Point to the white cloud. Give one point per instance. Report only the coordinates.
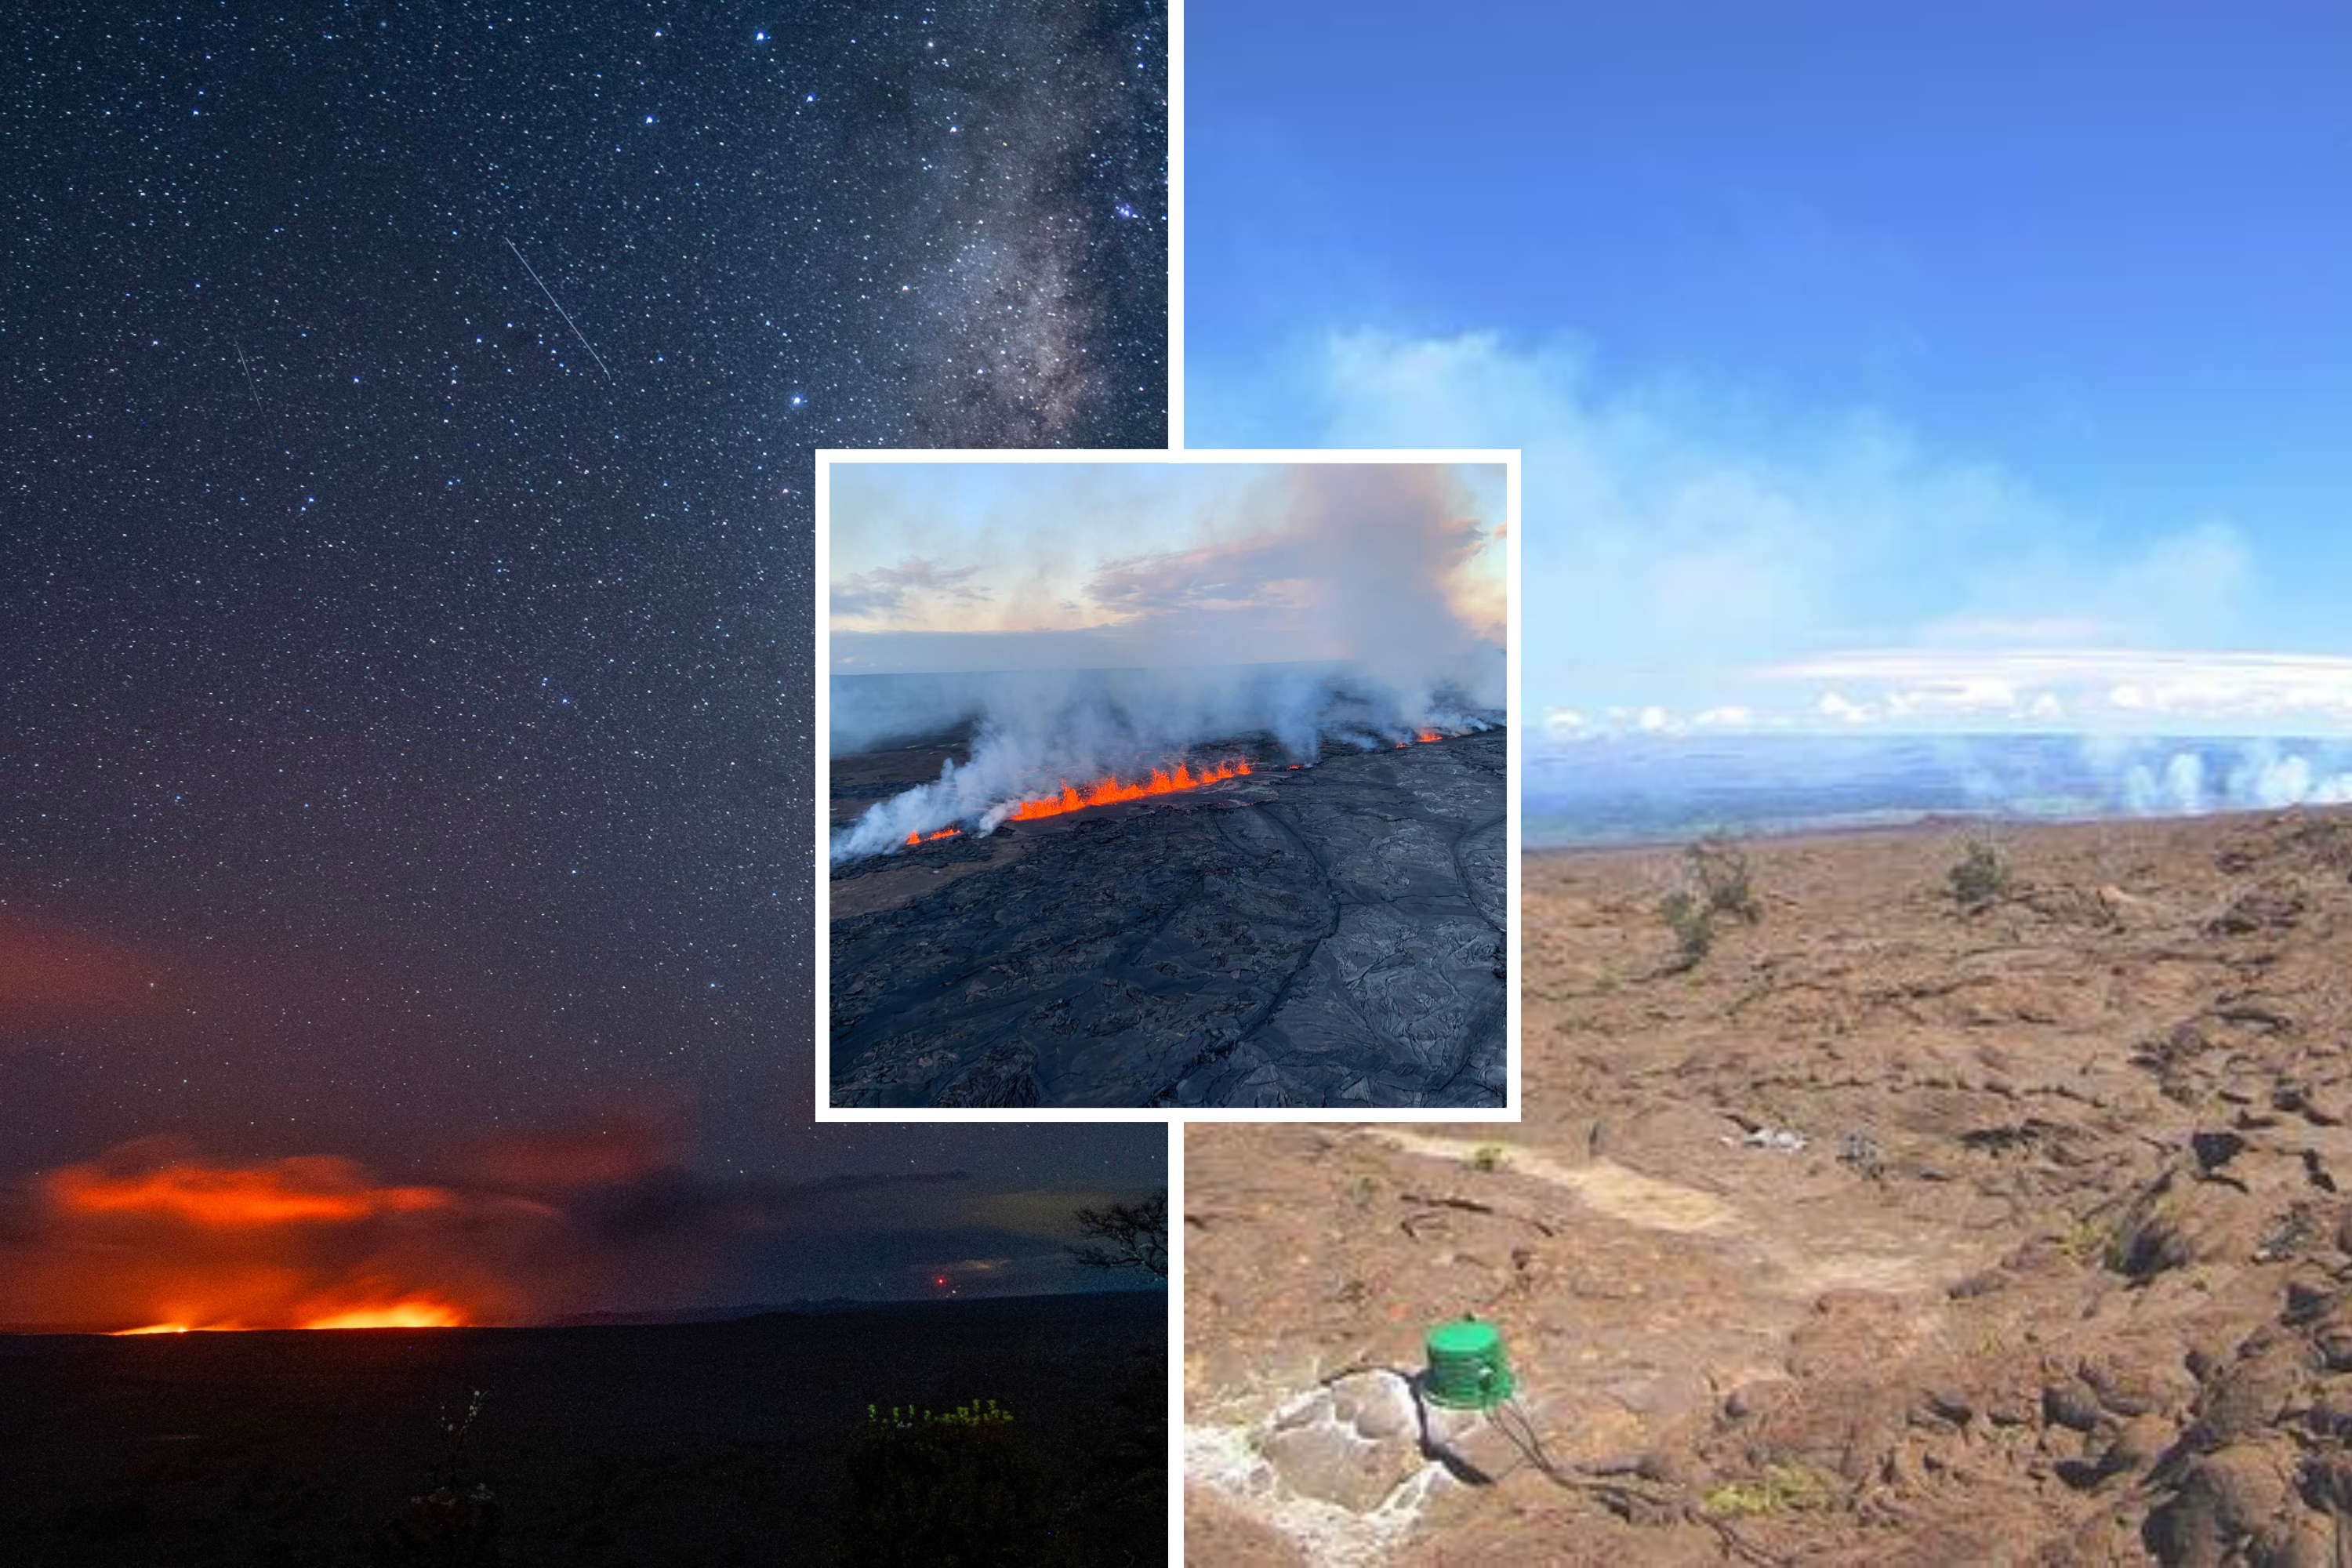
(1836, 705)
(1675, 537)
(2123, 688)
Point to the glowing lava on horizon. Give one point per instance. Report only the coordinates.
(159, 1240)
(411, 1313)
(417, 1312)
(1428, 735)
(1111, 792)
(933, 838)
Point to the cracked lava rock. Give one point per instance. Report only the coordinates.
(1331, 935)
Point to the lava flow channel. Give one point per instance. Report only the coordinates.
(932, 837)
(1109, 792)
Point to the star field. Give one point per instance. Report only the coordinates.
(404, 637)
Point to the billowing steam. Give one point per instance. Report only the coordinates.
(1039, 735)
(2254, 776)
(1600, 790)
(1365, 565)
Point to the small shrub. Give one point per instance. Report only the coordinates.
(1781, 1489)
(2086, 1241)
(928, 1488)
(456, 1524)
(1720, 874)
(1717, 880)
(1693, 926)
(1488, 1158)
(1979, 876)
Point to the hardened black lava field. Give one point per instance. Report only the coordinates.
(1329, 935)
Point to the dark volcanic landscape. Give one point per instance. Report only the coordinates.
(709, 1443)
(1330, 935)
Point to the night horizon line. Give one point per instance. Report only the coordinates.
(681, 1318)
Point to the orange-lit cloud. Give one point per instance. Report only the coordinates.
(609, 1150)
(288, 1192)
(54, 975)
(153, 1236)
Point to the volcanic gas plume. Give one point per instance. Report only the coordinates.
(1134, 735)
(1347, 607)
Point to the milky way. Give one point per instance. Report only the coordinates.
(414, 711)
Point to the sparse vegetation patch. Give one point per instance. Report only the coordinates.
(1781, 1489)
(1717, 881)
(931, 1489)
(1979, 876)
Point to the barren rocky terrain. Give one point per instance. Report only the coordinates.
(1890, 1231)
(1331, 935)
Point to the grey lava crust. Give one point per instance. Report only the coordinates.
(1327, 936)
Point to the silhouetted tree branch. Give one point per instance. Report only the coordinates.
(1129, 1235)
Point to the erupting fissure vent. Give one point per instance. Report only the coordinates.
(928, 837)
(1108, 792)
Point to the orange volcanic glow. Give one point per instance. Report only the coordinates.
(318, 1187)
(1109, 792)
(413, 1313)
(1428, 735)
(158, 1240)
(933, 838)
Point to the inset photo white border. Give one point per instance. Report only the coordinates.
(820, 741)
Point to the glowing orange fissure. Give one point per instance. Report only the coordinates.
(1110, 791)
(927, 837)
(411, 1313)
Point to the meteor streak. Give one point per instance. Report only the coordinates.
(560, 309)
(250, 384)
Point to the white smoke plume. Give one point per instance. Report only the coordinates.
(1367, 565)
(1035, 730)
(2260, 776)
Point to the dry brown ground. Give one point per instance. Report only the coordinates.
(2059, 1275)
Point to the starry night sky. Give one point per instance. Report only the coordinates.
(404, 691)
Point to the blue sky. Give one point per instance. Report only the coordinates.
(1968, 367)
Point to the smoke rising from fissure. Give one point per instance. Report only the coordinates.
(1370, 566)
(1038, 733)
